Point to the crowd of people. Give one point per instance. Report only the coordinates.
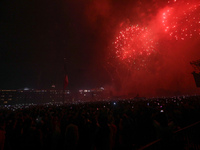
(112, 124)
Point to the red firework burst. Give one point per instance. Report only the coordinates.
(133, 46)
(182, 19)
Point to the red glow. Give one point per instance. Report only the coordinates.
(182, 19)
(134, 45)
(147, 58)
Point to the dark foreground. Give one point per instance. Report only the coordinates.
(110, 124)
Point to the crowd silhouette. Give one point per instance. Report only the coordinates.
(103, 125)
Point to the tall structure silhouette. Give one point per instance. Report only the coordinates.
(196, 73)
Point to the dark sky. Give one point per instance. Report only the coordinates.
(36, 36)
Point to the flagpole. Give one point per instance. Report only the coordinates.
(63, 92)
(65, 73)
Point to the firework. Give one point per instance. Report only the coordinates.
(133, 46)
(181, 20)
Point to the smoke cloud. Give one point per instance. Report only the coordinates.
(169, 71)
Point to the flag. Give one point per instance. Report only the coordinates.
(66, 81)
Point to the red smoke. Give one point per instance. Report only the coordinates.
(157, 64)
(168, 70)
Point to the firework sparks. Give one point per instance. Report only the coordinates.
(148, 55)
(182, 19)
(134, 45)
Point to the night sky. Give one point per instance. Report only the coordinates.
(36, 36)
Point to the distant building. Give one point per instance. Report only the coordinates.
(26, 96)
(29, 96)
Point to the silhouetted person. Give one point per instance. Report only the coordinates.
(71, 135)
